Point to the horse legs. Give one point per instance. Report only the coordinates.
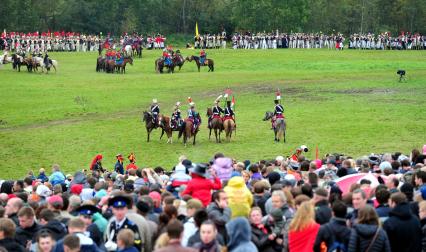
(149, 132)
(195, 134)
(210, 133)
(215, 134)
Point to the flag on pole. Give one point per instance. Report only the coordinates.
(196, 30)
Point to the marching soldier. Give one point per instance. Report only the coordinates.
(119, 221)
(155, 111)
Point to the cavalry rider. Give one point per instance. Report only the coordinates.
(113, 54)
(203, 56)
(216, 111)
(155, 111)
(176, 120)
(46, 60)
(193, 116)
(229, 113)
(119, 58)
(278, 110)
(167, 58)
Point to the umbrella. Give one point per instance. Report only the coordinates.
(345, 182)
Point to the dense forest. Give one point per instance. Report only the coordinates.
(179, 16)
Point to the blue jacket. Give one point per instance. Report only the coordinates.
(239, 232)
(86, 244)
(130, 249)
(57, 178)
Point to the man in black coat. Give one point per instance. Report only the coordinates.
(27, 227)
(322, 209)
(402, 227)
(7, 233)
(336, 231)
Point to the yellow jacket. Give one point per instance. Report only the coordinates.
(240, 198)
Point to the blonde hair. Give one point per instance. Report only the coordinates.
(161, 241)
(304, 217)
(127, 236)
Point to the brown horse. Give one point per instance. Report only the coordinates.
(207, 62)
(149, 124)
(215, 124)
(100, 64)
(229, 126)
(165, 127)
(110, 66)
(187, 130)
(159, 64)
(280, 126)
(121, 67)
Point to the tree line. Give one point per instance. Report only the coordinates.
(179, 16)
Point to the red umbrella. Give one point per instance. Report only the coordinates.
(345, 182)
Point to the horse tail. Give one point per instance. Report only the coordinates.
(281, 129)
(182, 129)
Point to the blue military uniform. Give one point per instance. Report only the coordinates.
(228, 112)
(279, 110)
(176, 117)
(155, 111)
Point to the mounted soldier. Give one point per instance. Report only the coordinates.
(176, 120)
(46, 60)
(203, 56)
(155, 111)
(217, 111)
(229, 113)
(278, 110)
(167, 58)
(193, 116)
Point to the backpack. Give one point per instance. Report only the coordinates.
(336, 246)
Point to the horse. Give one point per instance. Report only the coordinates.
(29, 62)
(149, 124)
(39, 61)
(110, 66)
(128, 51)
(229, 126)
(100, 64)
(207, 62)
(17, 61)
(215, 124)
(137, 50)
(122, 65)
(164, 122)
(279, 126)
(179, 60)
(187, 132)
(4, 59)
(159, 65)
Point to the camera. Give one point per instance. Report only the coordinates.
(304, 148)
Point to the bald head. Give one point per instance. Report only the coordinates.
(13, 206)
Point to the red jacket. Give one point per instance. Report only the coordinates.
(200, 188)
(303, 241)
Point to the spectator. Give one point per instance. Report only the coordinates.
(260, 232)
(27, 227)
(189, 228)
(42, 176)
(322, 209)
(208, 233)
(45, 242)
(57, 176)
(402, 227)
(7, 236)
(86, 213)
(366, 234)
(335, 234)
(359, 200)
(174, 233)
(54, 226)
(200, 187)
(77, 228)
(219, 212)
(239, 236)
(239, 197)
(12, 208)
(303, 229)
(71, 243)
(18, 186)
(422, 215)
(125, 241)
(383, 209)
(260, 197)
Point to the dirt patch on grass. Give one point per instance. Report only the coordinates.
(366, 91)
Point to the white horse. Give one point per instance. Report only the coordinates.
(5, 59)
(40, 62)
(128, 49)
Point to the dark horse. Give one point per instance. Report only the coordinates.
(109, 66)
(215, 124)
(280, 126)
(17, 61)
(179, 60)
(207, 62)
(165, 127)
(149, 124)
(121, 67)
(137, 49)
(187, 131)
(100, 64)
(159, 65)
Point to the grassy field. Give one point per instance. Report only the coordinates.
(348, 101)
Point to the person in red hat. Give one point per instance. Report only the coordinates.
(96, 164)
(132, 159)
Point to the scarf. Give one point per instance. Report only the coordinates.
(262, 228)
(207, 247)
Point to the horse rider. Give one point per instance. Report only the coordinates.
(216, 111)
(155, 111)
(193, 116)
(46, 60)
(229, 113)
(176, 120)
(203, 56)
(119, 58)
(278, 111)
(166, 57)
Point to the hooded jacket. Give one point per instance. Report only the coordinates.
(240, 236)
(362, 235)
(239, 197)
(223, 167)
(403, 229)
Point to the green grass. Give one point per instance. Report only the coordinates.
(348, 101)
